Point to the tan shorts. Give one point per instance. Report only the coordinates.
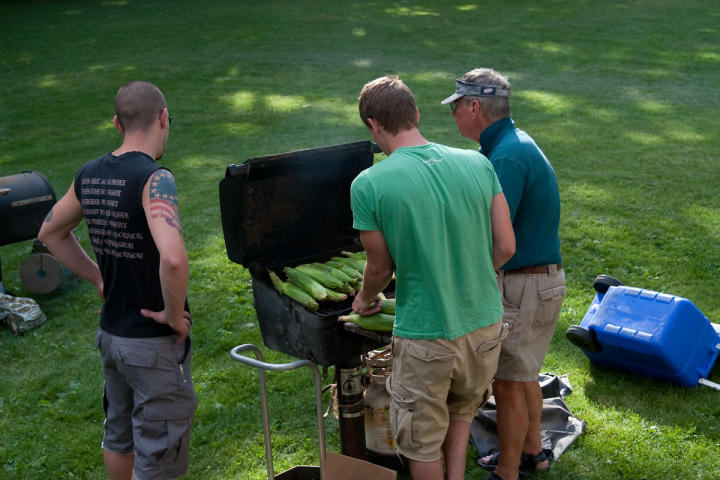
(531, 304)
(434, 381)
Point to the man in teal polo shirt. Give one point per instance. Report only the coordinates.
(532, 282)
(436, 216)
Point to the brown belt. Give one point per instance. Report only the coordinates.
(536, 270)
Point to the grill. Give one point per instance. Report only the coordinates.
(292, 208)
(25, 200)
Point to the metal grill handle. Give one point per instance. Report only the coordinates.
(261, 365)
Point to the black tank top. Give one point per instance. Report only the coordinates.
(110, 192)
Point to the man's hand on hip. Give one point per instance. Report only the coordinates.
(181, 327)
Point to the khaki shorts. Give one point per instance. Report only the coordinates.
(434, 381)
(531, 304)
(149, 402)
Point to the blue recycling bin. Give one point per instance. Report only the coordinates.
(650, 333)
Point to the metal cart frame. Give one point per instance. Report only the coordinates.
(299, 472)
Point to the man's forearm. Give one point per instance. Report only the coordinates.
(68, 251)
(174, 281)
(374, 281)
(56, 234)
(500, 257)
(503, 235)
(378, 270)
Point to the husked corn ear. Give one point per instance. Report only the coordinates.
(323, 278)
(294, 292)
(306, 282)
(379, 322)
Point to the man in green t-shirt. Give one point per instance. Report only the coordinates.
(437, 217)
(532, 282)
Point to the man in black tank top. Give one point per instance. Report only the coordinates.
(130, 206)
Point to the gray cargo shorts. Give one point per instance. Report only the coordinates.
(149, 402)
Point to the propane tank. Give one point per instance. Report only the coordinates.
(378, 435)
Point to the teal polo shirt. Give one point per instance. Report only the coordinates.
(531, 189)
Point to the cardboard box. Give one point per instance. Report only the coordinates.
(339, 467)
(342, 467)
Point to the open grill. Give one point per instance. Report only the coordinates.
(287, 209)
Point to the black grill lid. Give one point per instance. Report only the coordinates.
(280, 208)
(25, 200)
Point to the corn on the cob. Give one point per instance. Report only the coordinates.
(334, 296)
(339, 274)
(305, 282)
(346, 269)
(323, 278)
(294, 292)
(355, 263)
(359, 255)
(379, 322)
(388, 306)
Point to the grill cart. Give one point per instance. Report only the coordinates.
(301, 472)
(294, 208)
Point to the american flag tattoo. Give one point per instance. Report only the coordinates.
(164, 199)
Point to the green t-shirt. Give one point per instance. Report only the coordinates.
(432, 204)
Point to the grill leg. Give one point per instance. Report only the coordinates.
(348, 375)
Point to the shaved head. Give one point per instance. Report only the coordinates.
(137, 105)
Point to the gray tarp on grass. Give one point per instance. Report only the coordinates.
(559, 427)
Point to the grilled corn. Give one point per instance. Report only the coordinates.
(294, 292)
(379, 322)
(306, 282)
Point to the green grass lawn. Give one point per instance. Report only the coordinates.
(622, 97)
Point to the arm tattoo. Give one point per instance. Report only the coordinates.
(49, 216)
(164, 199)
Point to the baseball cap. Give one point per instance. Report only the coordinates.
(463, 89)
